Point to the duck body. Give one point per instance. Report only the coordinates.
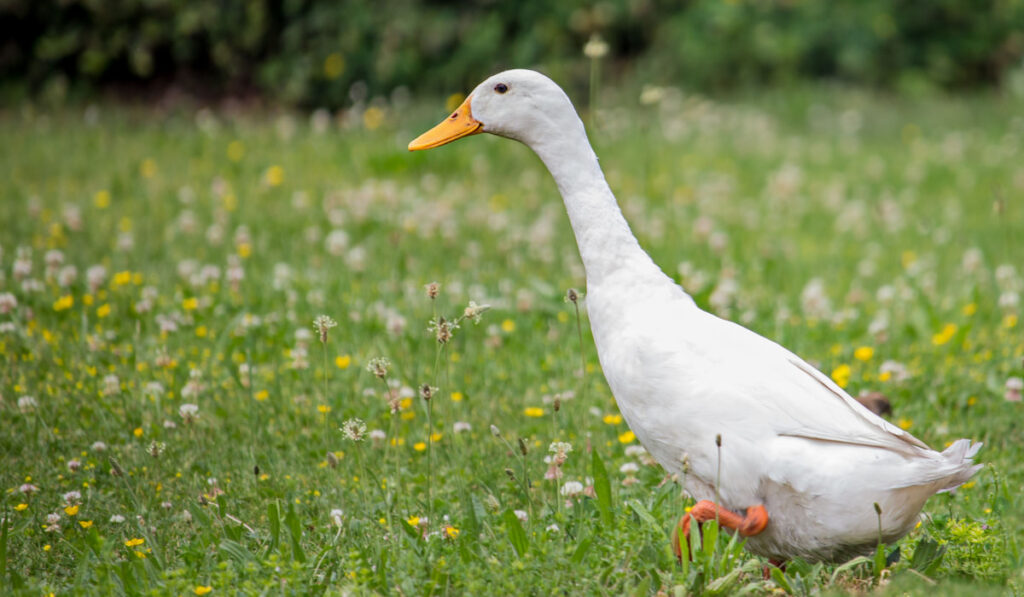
(791, 439)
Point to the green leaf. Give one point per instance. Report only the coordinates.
(236, 551)
(603, 489)
(516, 534)
(3, 547)
(879, 560)
(927, 556)
(780, 579)
(274, 518)
(647, 517)
(295, 527)
(581, 550)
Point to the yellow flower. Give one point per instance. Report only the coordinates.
(612, 419)
(404, 403)
(201, 331)
(85, 523)
(436, 437)
(457, 396)
(190, 304)
(451, 532)
(841, 375)
(533, 411)
(202, 589)
(864, 353)
(627, 438)
(141, 554)
(134, 542)
(122, 278)
(1010, 321)
(244, 250)
(262, 395)
(137, 432)
(419, 446)
(413, 521)
(373, 117)
(885, 376)
(103, 310)
(147, 168)
(323, 408)
(21, 507)
(343, 362)
(101, 199)
(46, 547)
(905, 423)
(334, 65)
(972, 400)
(274, 176)
(71, 510)
(63, 303)
(508, 326)
(970, 309)
(236, 150)
(945, 335)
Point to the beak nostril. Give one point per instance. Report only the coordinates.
(455, 115)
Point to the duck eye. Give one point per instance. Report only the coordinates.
(501, 88)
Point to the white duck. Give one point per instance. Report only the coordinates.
(805, 461)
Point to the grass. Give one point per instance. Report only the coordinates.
(879, 239)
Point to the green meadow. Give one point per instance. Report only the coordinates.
(172, 423)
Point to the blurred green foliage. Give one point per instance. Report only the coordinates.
(312, 53)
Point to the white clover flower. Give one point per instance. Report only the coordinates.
(461, 427)
(98, 447)
(636, 450)
(72, 497)
(111, 385)
(8, 302)
(629, 468)
(571, 489)
(336, 517)
(27, 404)
(521, 515)
(117, 519)
(189, 412)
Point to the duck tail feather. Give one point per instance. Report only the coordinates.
(960, 455)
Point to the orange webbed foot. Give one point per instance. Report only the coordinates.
(753, 523)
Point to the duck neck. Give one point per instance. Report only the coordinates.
(605, 241)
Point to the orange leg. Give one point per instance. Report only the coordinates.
(753, 523)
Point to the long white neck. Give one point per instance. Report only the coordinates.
(605, 241)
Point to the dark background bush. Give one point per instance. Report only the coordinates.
(311, 53)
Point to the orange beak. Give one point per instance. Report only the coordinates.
(459, 124)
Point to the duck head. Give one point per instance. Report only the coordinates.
(518, 104)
